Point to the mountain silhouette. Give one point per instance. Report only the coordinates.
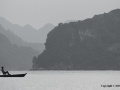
(44, 31)
(27, 32)
(13, 57)
(14, 39)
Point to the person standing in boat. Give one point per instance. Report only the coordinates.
(4, 72)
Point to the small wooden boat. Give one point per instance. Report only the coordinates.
(14, 75)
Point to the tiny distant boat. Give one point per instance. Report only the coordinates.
(14, 75)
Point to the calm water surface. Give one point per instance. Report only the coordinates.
(62, 80)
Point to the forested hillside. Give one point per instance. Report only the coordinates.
(91, 44)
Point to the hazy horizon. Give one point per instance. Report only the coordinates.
(37, 13)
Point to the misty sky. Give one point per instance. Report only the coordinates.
(39, 12)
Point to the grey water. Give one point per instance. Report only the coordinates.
(62, 80)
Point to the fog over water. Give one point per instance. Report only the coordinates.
(62, 80)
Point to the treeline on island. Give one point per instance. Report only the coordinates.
(91, 44)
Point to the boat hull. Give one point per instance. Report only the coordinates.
(14, 75)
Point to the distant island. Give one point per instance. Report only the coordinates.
(28, 33)
(90, 44)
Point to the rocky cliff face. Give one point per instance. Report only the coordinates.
(91, 44)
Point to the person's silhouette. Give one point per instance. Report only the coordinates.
(4, 72)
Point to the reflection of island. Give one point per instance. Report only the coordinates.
(91, 44)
